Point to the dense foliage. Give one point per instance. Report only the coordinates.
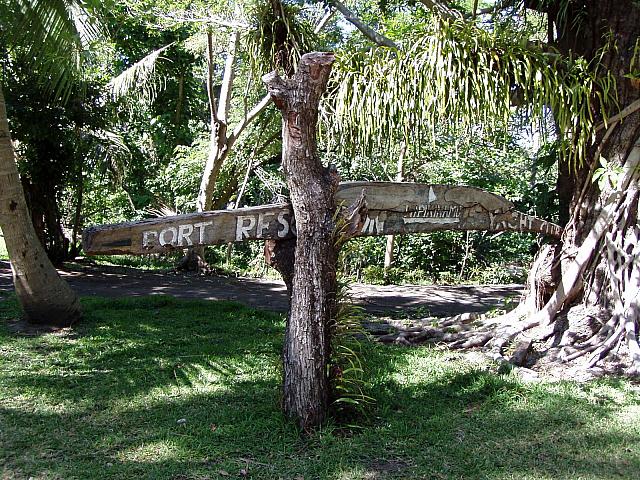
(129, 145)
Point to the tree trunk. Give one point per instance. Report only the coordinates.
(77, 216)
(391, 239)
(592, 309)
(42, 204)
(44, 296)
(599, 258)
(312, 188)
(180, 99)
(603, 220)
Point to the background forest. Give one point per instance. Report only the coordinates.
(141, 123)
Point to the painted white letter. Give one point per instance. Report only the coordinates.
(262, 225)
(174, 235)
(148, 238)
(184, 233)
(242, 231)
(373, 225)
(201, 226)
(285, 225)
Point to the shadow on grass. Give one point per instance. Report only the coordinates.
(110, 402)
(460, 421)
(131, 346)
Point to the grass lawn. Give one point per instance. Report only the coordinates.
(105, 399)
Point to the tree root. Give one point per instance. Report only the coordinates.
(631, 337)
(458, 332)
(513, 337)
(193, 262)
(606, 346)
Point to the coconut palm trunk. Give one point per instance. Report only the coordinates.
(44, 297)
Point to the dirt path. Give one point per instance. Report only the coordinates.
(107, 281)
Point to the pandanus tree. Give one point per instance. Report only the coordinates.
(585, 76)
(53, 33)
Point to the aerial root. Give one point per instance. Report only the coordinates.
(517, 332)
(631, 336)
(606, 346)
(461, 331)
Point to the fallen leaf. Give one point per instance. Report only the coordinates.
(213, 427)
(224, 473)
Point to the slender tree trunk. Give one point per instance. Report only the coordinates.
(218, 145)
(312, 189)
(222, 141)
(179, 100)
(391, 239)
(43, 295)
(77, 217)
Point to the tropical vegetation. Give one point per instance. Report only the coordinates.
(113, 112)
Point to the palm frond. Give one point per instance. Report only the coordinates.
(53, 35)
(162, 210)
(461, 75)
(139, 80)
(87, 28)
(109, 150)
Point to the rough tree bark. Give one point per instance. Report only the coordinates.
(313, 286)
(599, 259)
(45, 298)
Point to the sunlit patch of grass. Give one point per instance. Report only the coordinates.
(142, 262)
(152, 452)
(162, 388)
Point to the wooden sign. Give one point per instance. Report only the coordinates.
(401, 208)
(393, 208)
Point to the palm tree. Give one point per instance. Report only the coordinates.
(53, 33)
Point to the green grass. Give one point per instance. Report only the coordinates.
(142, 262)
(103, 401)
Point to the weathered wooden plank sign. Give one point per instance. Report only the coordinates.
(393, 208)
